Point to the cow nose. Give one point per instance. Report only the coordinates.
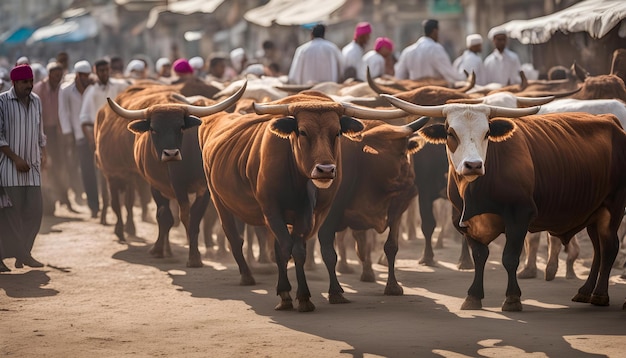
(472, 167)
(168, 155)
(324, 171)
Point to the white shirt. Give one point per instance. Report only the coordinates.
(21, 129)
(95, 96)
(426, 58)
(375, 62)
(318, 60)
(503, 68)
(470, 61)
(70, 103)
(353, 57)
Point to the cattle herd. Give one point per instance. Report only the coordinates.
(294, 163)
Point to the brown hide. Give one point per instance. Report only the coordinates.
(432, 95)
(602, 87)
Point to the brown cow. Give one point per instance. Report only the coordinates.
(282, 170)
(556, 172)
(168, 157)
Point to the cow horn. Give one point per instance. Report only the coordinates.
(533, 101)
(418, 123)
(378, 89)
(431, 111)
(282, 109)
(370, 113)
(202, 111)
(127, 113)
(471, 82)
(495, 111)
(524, 79)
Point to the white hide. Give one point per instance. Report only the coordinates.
(593, 106)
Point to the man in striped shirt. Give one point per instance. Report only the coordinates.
(22, 156)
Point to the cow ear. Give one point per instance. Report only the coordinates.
(351, 128)
(192, 121)
(435, 134)
(139, 126)
(283, 127)
(501, 129)
(416, 143)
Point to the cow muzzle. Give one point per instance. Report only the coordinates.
(472, 169)
(323, 175)
(170, 155)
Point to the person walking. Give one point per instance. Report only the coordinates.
(22, 157)
(426, 58)
(502, 65)
(353, 52)
(317, 60)
(93, 99)
(375, 59)
(470, 60)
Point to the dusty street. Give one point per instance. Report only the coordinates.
(99, 298)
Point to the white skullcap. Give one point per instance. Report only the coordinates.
(236, 56)
(473, 39)
(53, 65)
(256, 69)
(82, 67)
(197, 63)
(163, 61)
(22, 60)
(496, 31)
(135, 65)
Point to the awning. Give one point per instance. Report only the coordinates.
(596, 17)
(75, 26)
(16, 36)
(183, 7)
(294, 12)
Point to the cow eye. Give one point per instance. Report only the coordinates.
(302, 132)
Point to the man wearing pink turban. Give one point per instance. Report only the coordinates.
(353, 51)
(22, 156)
(375, 59)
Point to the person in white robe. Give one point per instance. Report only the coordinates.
(353, 51)
(317, 60)
(375, 59)
(502, 65)
(470, 61)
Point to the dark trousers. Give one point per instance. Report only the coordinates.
(88, 172)
(20, 223)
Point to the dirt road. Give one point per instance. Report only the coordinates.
(99, 298)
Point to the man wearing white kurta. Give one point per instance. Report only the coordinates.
(375, 59)
(502, 65)
(470, 60)
(426, 58)
(353, 52)
(318, 60)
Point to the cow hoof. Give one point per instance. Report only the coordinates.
(584, 298)
(393, 290)
(512, 304)
(130, 229)
(247, 280)
(195, 262)
(305, 305)
(368, 275)
(427, 261)
(156, 253)
(465, 264)
(337, 298)
(471, 303)
(286, 303)
(147, 218)
(310, 266)
(264, 259)
(527, 273)
(343, 267)
(599, 300)
(550, 272)
(571, 275)
(103, 219)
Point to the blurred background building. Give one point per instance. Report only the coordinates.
(89, 29)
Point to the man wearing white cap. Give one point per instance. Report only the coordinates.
(470, 61)
(136, 69)
(163, 69)
(70, 102)
(502, 65)
(197, 63)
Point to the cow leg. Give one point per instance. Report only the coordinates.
(342, 264)
(165, 220)
(465, 260)
(144, 199)
(326, 236)
(303, 294)
(104, 192)
(428, 227)
(193, 230)
(364, 253)
(573, 250)
(207, 230)
(263, 237)
(283, 287)
(554, 249)
(115, 187)
(129, 228)
(411, 220)
(515, 235)
(231, 229)
(531, 246)
(476, 292)
(391, 249)
(310, 256)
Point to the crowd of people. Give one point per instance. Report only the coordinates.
(47, 111)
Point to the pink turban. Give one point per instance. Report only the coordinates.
(383, 42)
(362, 28)
(21, 72)
(182, 66)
